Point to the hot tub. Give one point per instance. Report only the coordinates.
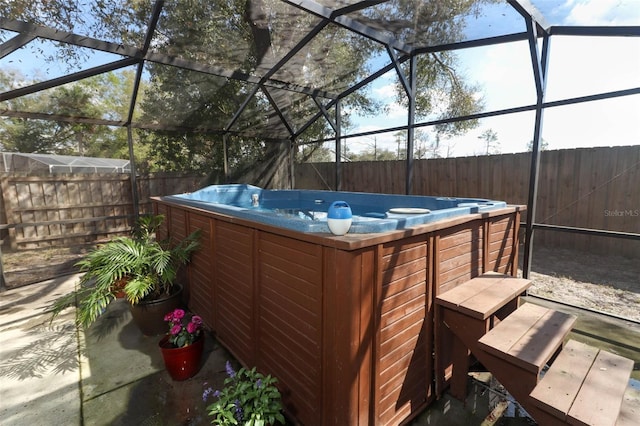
(346, 323)
(306, 211)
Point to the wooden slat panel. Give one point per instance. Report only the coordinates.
(178, 224)
(201, 271)
(401, 304)
(289, 318)
(503, 246)
(404, 270)
(466, 257)
(277, 266)
(396, 385)
(403, 376)
(453, 240)
(501, 256)
(234, 313)
(459, 256)
(458, 271)
(408, 253)
(407, 322)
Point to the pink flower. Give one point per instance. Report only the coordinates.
(192, 327)
(169, 317)
(176, 329)
(196, 320)
(178, 314)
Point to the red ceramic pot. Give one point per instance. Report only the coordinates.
(182, 363)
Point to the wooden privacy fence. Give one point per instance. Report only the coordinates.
(597, 188)
(55, 210)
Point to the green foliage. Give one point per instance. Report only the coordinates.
(103, 96)
(149, 268)
(113, 20)
(314, 153)
(233, 33)
(247, 38)
(442, 91)
(248, 398)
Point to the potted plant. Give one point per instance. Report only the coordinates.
(182, 347)
(148, 268)
(248, 398)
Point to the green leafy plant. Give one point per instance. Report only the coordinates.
(139, 265)
(248, 398)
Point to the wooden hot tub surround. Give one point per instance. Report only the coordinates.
(345, 323)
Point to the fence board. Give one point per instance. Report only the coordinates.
(627, 194)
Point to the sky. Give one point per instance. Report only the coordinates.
(578, 66)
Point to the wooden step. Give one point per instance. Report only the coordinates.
(483, 296)
(584, 386)
(529, 337)
(630, 410)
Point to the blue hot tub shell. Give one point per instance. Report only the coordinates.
(306, 210)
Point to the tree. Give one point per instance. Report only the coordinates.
(249, 38)
(381, 154)
(491, 144)
(446, 144)
(424, 147)
(441, 91)
(88, 98)
(104, 19)
(401, 142)
(44, 136)
(314, 153)
(190, 99)
(544, 145)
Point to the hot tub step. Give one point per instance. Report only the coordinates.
(584, 386)
(630, 410)
(529, 337)
(483, 296)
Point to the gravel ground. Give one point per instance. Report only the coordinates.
(608, 284)
(32, 266)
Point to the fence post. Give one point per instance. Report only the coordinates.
(3, 285)
(134, 184)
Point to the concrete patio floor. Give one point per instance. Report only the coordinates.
(51, 374)
(112, 375)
